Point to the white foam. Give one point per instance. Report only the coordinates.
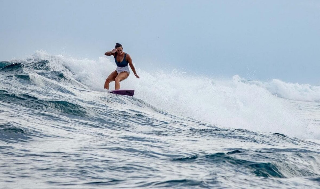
(294, 91)
(223, 102)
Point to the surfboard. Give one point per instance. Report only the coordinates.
(123, 92)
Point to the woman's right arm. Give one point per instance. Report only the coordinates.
(109, 53)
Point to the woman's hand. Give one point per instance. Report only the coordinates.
(114, 51)
(136, 75)
(109, 53)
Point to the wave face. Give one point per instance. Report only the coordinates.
(60, 129)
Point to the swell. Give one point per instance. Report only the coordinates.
(32, 102)
(272, 163)
(10, 132)
(4, 64)
(12, 67)
(41, 67)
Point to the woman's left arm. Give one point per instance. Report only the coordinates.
(131, 65)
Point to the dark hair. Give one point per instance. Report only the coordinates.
(118, 45)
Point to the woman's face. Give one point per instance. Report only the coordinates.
(119, 50)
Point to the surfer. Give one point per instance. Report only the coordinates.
(122, 60)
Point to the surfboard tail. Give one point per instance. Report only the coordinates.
(123, 92)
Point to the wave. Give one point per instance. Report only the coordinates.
(229, 102)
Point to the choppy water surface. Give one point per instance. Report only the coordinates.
(58, 130)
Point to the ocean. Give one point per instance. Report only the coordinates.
(60, 129)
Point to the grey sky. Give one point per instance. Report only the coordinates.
(256, 39)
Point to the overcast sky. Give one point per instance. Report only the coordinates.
(256, 39)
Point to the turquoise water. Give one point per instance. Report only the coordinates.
(59, 129)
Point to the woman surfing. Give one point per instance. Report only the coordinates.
(122, 60)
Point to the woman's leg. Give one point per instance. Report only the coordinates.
(110, 78)
(121, 76)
